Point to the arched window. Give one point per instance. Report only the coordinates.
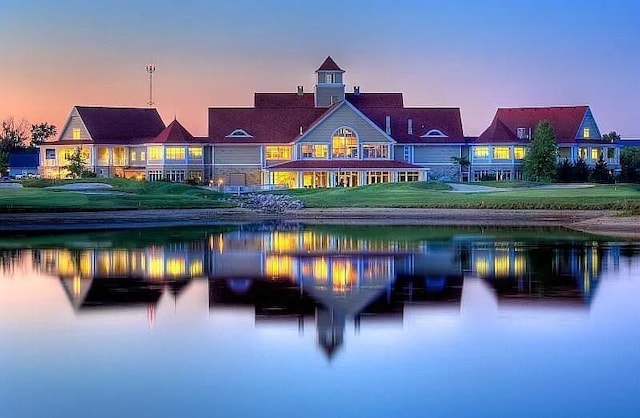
(434, 133)
(239, 133)
(344, 144)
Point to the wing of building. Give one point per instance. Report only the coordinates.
(499, 151)
(325, 138)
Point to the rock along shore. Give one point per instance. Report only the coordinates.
(597, 222)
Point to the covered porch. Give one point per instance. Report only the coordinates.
(341, 173)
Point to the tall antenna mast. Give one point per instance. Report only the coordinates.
(150, 70)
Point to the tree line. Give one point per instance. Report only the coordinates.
(20, 137)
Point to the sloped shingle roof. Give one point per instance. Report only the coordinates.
(120, 124)
(175, 133)
(565, 121)
(329, 65)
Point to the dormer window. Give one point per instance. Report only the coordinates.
(330, 78)
(434, 133)
(239, 133)
(523, 133)
(75, 133)
(586, 132)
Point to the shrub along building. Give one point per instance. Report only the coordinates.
(328, 138)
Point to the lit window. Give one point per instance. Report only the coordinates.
(195, 153)
(408, 176)
(155, 153)
(586, 132)
(481, 152)
(344, 144)
(501, 153)
(519, 153)
(174, 153)
(582, 152)
(133, 156)
(375, 151)
(314, 151)
(374, 177)
(273, 152)
(76, 133)
(142, 155)
(595, 153)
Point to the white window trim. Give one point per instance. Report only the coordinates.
(434, 133)
(239, 133)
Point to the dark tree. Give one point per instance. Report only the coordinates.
(463, 164)
(630, 165)
(541, 160)
(4, 163)
(581, 171)
(601, 172)
(611, 137)
(41, 133)
(565, 171)
(13, 135)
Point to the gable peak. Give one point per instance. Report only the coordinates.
(329, 65)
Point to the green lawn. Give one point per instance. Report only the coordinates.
(129, 194)
(157, 195)
(438, 195)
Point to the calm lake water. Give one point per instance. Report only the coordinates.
(285, 320)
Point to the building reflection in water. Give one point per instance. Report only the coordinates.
(329, 278)
(562, 274)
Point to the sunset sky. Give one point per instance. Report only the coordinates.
(476, 55)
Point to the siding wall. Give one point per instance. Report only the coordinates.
(138, 162)
(325, 91)
(230, 154)
(589, 122)
(435, 154)
(75, 123)
(344, 117)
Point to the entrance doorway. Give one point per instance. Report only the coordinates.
(346, 179)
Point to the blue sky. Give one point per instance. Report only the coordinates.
(476, 55)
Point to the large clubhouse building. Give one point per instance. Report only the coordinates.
(328, 138)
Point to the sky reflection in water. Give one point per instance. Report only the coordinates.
(262, 320)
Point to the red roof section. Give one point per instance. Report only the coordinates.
(175, 133)
(344, 165)
(283, 100)
(565, 121)
(116, 125)
(270, 125)
(424, 119)
(282, 124)
(375, 99)
(329, 65)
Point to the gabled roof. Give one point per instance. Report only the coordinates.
(565, 121)
(175, 133)
(362, 100)
(283, 100)
(109, 125)
(267, 125)
(446, 120)
(329, 65)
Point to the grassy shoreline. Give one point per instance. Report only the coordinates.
(35, 197)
